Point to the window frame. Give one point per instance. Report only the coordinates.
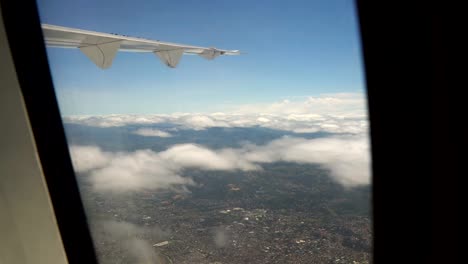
(404, 56)
(23, 28)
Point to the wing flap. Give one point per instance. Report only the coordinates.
(170, 57)
(210, 54)
(100, 50)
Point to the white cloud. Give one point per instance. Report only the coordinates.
(193, 156)
(142, 169)
(126, 171)
(86, 158)
(347, 159)
(335, 113)
(151, 132)
(198, 121)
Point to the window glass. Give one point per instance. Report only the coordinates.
(217, 155)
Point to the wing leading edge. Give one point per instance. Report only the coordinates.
(101, 48)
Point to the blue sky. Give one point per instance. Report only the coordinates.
(294, 49)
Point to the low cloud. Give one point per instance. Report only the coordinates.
(86, 158)
(125, 230)
(335, 113)
(126, 171)
(221, 236)
(151, 132)
(135, 241)
(194, 156)
(347, 159)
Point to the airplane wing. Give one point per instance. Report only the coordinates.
(101, 48)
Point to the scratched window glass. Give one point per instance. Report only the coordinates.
(215, 131)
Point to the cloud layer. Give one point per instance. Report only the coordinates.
(337, 113)
(347, 159)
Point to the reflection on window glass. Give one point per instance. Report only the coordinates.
(255, 151)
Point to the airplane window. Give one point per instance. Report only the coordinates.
(215, 131)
